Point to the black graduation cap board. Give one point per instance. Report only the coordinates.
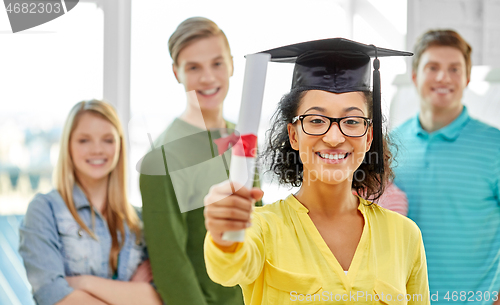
(338, 65)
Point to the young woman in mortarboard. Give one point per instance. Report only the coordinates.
(322, 244)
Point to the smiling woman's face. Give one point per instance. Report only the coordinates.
(94, 147)
(333, 157)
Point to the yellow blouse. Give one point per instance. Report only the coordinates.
(284, 260)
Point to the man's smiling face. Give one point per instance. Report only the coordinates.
(441, 78)
(205, 66)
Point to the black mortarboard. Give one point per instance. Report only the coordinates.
(339, 65)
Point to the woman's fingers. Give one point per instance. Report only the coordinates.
(221, 191)
(256, 193)
(148, 273)
(228, 207)
(142, 273)
(228, 213)
(223, 225)
(233, 201)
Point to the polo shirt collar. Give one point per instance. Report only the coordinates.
(449, 132)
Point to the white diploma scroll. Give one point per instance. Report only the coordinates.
(242, 168)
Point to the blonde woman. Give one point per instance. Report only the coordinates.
(82, 243)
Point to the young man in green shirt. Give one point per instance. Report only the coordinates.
(172, 198)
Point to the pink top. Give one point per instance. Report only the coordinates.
(394, 199)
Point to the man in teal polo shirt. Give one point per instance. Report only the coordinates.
(449, 167)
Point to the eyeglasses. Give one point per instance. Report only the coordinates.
(317, 125)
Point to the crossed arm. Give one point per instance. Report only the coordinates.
(96, 290)
(40, 250)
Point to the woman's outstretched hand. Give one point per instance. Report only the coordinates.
(226, 210)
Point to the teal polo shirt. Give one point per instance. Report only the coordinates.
(451, 177)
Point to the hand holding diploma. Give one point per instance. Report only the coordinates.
(226, 210)
(244, 150)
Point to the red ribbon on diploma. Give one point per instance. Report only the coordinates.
(243, 145)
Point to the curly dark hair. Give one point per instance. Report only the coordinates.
(285, 162)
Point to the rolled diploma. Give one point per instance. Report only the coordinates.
(242, 168)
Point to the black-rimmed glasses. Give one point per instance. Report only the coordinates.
(317, 124)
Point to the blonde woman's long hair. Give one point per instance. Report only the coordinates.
(118, 210)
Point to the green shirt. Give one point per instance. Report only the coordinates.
(175, 239)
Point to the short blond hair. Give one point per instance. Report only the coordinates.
(191, 30)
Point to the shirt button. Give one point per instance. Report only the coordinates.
(80, 232)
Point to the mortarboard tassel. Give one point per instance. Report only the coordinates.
(377, 144)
